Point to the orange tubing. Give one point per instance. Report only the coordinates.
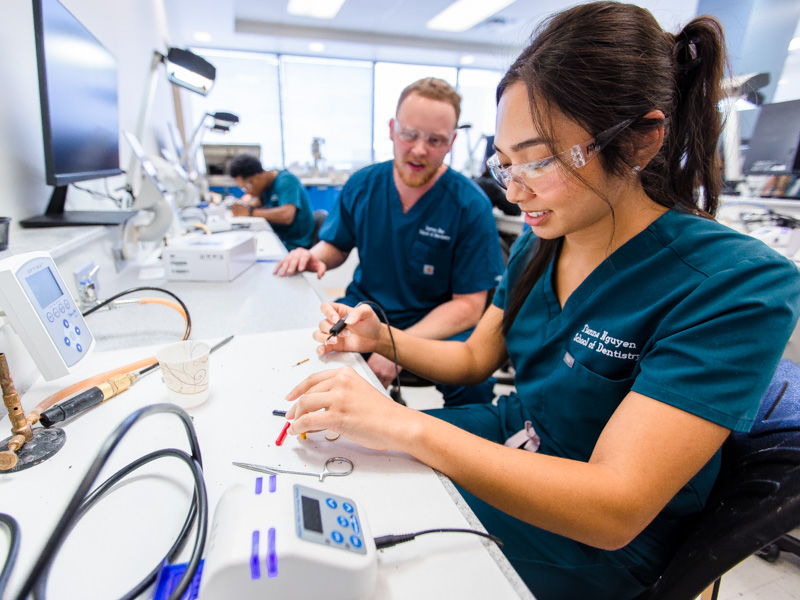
(33, 416)
(165, 302)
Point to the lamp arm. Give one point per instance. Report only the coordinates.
(144, 114)
(194, 143)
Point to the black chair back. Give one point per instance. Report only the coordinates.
(755, 500)
(319, 218)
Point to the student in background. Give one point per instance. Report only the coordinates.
(277, 196)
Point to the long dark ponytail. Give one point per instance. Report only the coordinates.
(604, 62)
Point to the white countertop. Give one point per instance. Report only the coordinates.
(272, 319)
(121, 539)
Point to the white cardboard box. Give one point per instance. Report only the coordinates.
(217, 257)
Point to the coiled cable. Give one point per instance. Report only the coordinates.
(82, 501)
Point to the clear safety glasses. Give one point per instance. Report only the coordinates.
(543, 175)
(409, 135)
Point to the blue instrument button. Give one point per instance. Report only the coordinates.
(354, 523)
(78, 347)
(347, 507)
(355, 541)
(66, 324)
(77, 330)
(66, 341)
(342, 521)
(331, 502)
(337, 537)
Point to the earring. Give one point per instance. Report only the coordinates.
(636, 170)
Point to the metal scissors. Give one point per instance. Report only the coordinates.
(325, 470)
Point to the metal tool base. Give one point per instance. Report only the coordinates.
(45, 443)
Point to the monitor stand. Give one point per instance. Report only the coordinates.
(56, 216)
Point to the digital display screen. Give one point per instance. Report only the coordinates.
(312, 517)
(44, 286)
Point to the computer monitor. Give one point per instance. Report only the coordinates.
(80, 113)
(775, 144)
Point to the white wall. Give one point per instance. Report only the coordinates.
(131, 30)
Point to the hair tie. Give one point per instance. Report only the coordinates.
(686, 53)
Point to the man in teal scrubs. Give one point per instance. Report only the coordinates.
(277, 196)
(676, 342)
(427, 241)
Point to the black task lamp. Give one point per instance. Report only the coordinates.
(185, 69)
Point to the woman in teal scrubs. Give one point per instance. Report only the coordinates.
(641, 330)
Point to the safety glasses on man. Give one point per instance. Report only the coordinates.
(409, 135)
(544, 174)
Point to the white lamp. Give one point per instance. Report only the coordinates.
(218, 121)
(739, 88)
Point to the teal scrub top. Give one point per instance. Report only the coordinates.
(287, 189)
(446, 244)
(688, 312)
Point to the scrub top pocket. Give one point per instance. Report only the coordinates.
(429, 266)
(581, 401)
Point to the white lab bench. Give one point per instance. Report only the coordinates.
(126, 534)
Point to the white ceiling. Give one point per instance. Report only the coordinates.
(392, 30)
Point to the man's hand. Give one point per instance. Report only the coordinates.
(240, 210)
(299, 260)
(383, 369)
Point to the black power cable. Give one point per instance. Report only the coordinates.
(13, 550)
(385, 319)
(387, 541)
(105, 487)
(82, 501)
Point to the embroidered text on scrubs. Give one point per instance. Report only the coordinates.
(604, 343)
(434, 232)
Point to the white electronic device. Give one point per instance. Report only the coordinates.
(200, 257)
(278, 540)
(43, 313)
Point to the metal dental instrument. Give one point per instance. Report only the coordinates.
(326, 472)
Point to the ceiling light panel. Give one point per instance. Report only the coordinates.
(465, 14)
(317, 9)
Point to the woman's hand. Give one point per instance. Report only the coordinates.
(363, 333)
(343, 401)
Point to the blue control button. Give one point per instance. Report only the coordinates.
(331, 502)
(66, 324)
(347, 507)
(337, 537)
(78, 347)
(77, 330)
(355, 524)
(66, 341)
(342, 521)
(355, 541)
